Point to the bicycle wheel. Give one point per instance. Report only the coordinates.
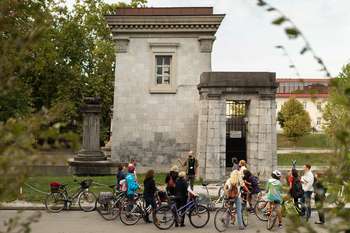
(87, 201)
(55, 202)
(271, 220)
(130, 214)
(221, 192)
(245, 216)
(199, 216)
(222, 219)
(109, 211)
(260, 210)
(164, 217)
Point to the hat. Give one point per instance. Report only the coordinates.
(182, 174)
(174, 168)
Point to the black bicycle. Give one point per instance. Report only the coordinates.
(132, 211)
(165, 216)
(108, 204)
(59, 198)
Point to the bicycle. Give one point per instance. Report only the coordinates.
(207, 199)
(109, 204)
(165, 216)
(131, 213)
(229, 212)
(59, 198)
(272, 215)
(261, 208)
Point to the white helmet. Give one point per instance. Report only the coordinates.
(277, 173)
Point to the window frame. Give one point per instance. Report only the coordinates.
(163, 49)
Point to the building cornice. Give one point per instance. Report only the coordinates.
(156, 24)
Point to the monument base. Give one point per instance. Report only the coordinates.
(89, 168)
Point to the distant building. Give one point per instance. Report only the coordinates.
(312, 93)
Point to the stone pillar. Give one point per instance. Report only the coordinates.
(90, 150)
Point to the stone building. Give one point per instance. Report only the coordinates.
(161, 54)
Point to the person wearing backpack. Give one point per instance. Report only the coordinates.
(232, 191)
(170, 180)
(295, 187)
(132, 185)
(307, 182)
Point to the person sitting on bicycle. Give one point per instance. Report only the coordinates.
(232, 192)
(181, 192)
(132, 185)
(251, 187)
(149, 192)
(274, 197)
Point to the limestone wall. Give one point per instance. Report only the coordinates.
(156, 128)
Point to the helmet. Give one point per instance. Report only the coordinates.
(277, 173)
(131, 168)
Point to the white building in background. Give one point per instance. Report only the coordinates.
(312, 93)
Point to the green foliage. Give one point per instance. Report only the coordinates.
(307, 141)
(294, 119)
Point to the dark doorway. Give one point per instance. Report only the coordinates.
(236, 126)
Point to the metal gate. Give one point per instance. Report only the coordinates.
(236, 127)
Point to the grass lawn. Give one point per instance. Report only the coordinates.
(310, 141)
(42, 183)
(302, 158)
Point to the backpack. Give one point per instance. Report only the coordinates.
(297, 189)
(255, 185)
(171, 182)
(233, 192)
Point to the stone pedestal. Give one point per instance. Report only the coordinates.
(90, 160)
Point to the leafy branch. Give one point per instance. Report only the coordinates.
(293, 32)
(291, 62)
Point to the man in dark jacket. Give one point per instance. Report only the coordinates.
(191, 165)
(181, 194)
(320, 195)
(149, 192)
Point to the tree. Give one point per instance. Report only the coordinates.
(294, 119)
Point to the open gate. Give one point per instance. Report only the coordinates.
(236, 128)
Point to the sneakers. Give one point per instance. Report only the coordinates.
(241, 227)
(280, 226)
(319, 222)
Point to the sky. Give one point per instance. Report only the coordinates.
(246, 39)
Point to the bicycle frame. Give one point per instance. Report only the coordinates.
(184, 209)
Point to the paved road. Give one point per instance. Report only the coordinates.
(80, 222)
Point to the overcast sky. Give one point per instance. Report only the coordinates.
(246, 39)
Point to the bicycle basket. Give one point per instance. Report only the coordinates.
(55, 187)
(86, 183)
(105, 197)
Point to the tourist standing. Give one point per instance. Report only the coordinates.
(191, 165)
(181, 193)
(120, 176)
(307, 181)
(295, 187)
(170, 180)
(274, 194)
(320, 196)
(134, 163)
(235, 165)
(232, 191)
(149, 192)
(132, 185)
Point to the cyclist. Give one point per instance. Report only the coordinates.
(181, 195)
(274, 197)
(232, 192)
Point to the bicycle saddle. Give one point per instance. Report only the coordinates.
(204, 184)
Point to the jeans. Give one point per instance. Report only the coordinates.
(191, 179)
(238, 203)
(307, 201)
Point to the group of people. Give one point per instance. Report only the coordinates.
(241, 186)
(302, 187)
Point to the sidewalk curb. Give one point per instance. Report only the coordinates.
(34, 208)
